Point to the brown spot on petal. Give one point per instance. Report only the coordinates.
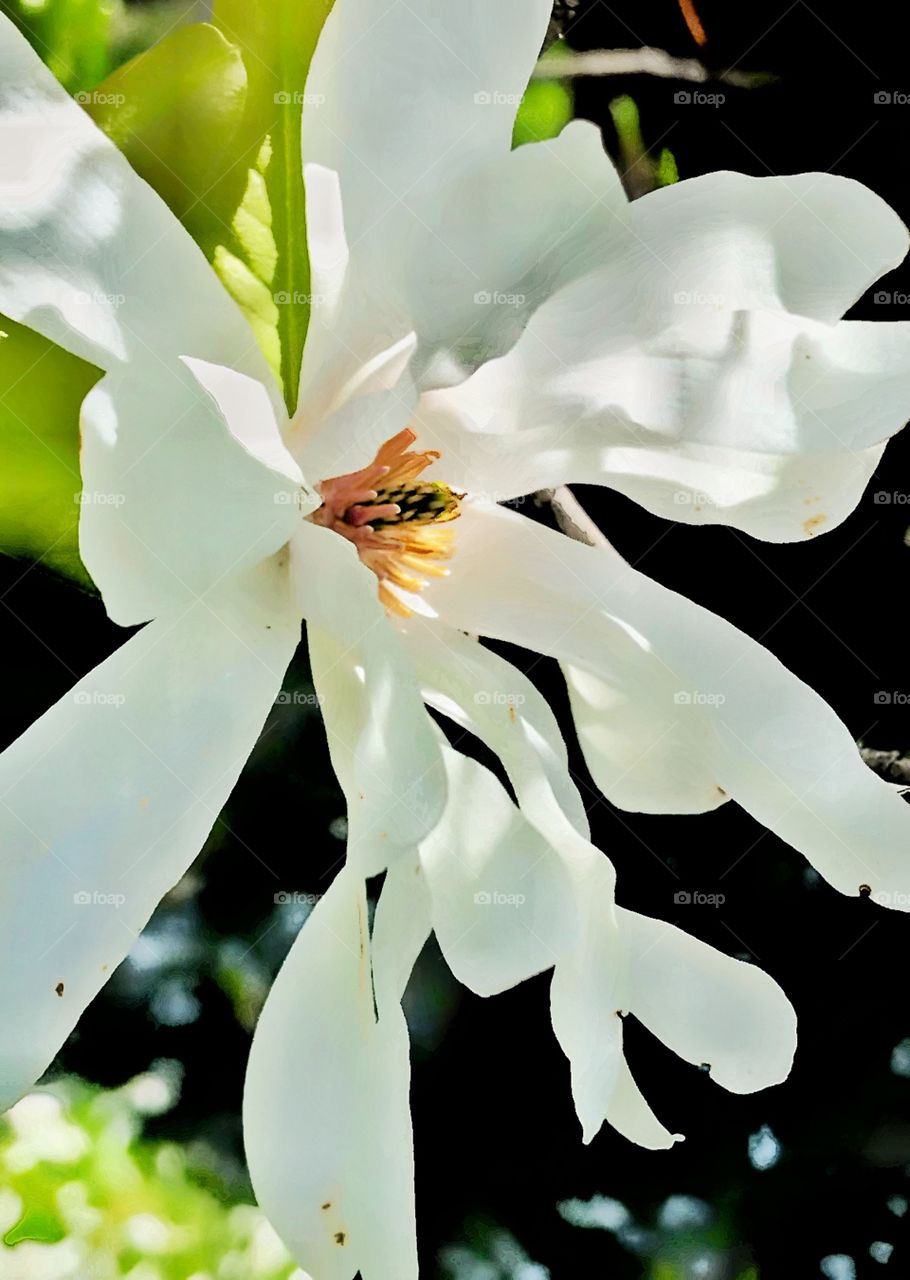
(59, 988)
(340, 1237)
(865, 890)
(813, 522)
(327, 1205)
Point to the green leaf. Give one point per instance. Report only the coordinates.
(546, 108)
(212, 119)
(41, 390)
(175, 111)
(72, 36)
(667, 168)
(277, 41)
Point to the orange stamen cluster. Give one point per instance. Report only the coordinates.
(399, 525)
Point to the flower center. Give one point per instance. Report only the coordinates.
(399, 524)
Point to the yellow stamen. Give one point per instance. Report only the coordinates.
(397, 522)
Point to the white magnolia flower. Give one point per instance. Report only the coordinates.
(493, 321)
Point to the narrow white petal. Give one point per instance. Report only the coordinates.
(106, 800)
(380, 737)
(326, 1119)
(712, 1010)
(768, 740)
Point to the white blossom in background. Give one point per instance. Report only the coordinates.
(492, 322)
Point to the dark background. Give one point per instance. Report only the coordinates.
(497, 1140)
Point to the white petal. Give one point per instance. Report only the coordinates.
(699, 371)
(630, 1114)
(447, 230)
(486, 695)
(501, 903)
(90, 256)
(109, 796)
(707, 1007)
(639, 749)
(381, 739)
(185, 481)
(809, 243)
(326, 1119)
(769, 741)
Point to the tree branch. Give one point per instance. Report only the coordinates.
(645, 61)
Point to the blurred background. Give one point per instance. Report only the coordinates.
(131, 1162)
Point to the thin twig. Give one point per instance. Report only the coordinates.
(646, 62)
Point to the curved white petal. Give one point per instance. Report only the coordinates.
(94, 260)
(326, 1120)
(491, 698)
(106, 800)
(185, 481)
(90, 256)
(445, 229)
(770, 742)
(807, 243)
(500, 899)
(710, 1009)
(700, 370)
(639, 749)
(380, 737)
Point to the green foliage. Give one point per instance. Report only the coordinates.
(42, 389)
(211, 118)
(546, 108)
(72, 36)
(82, 1194)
